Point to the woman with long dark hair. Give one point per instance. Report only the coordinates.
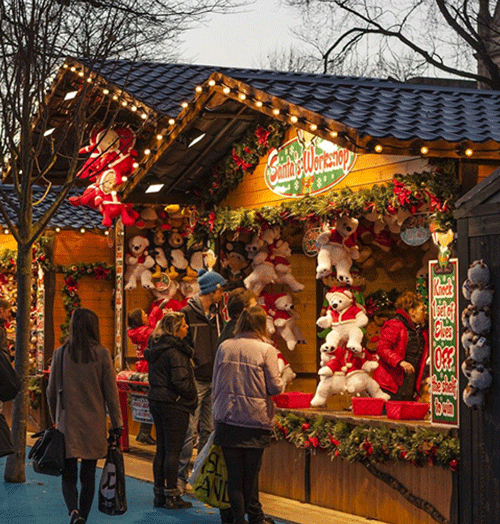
(172, 399)
(78, 407)
(245, 377)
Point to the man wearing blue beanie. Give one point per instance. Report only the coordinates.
(205, 325)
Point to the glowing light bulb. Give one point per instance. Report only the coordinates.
(276, 111)
(378, 148)
(424, 150)
(313, 127)
(468, 152)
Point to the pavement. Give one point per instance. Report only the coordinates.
(39, 501)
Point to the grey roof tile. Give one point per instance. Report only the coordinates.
(373, 106)
(66, 217)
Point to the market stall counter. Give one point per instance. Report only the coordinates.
(385, 469)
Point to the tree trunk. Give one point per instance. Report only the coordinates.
(15, 466)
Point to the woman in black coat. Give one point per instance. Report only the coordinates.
(172, 399)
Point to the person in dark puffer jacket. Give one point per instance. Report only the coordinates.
(172, 399)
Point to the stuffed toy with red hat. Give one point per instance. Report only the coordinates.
(338, 248)
(344, 318)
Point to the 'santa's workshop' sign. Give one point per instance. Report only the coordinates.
(307, 165)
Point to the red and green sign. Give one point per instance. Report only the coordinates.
(443, 319)
(307, 165)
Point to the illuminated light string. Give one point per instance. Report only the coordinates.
(377, 147)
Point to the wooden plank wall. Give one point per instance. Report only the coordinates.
(73, 247)
(348, 487)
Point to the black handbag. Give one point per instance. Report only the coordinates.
(10, 383)
(48, 452)
(112, 495)
(6, 446)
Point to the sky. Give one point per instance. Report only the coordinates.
(242, 39)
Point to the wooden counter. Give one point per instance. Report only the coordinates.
(311, 475)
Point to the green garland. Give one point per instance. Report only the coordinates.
(244, 157)
(72, 275)
(437, 188)
(361, 443)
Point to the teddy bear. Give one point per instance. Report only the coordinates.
(357, 368)
(283, 319)
(279, 251)
(263, 272)
(479, 349)
(138, 261)
(345, 318)
(110, 150)
(337, 247)
(482, 297)
(478, 374)
(467, 339)
(234, 262)
(165, 300)
(372, 335)
(480, 321)
(285, 370)
(109, 204)
(331, 376)
(175, 252)
(473, 397)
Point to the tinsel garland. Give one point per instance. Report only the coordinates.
(72, 275)
(244, 157)
(361, 443)
(436, 189)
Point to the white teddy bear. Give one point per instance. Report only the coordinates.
(263, 271)
(279, 253)
(282, 318)
(345, 318)
(338, 248)
(331, 377)
(138, 261)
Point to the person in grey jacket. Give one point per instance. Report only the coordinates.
(78, 407)
(245, 377)
(172, 399)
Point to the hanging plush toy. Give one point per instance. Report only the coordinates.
(476, 318)
(345, 319)
(283, 318)
(285, 370)
(111, 161)
(338, 248)
(138, 262)
(263, 272)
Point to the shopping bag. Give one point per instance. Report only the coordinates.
(6, 446)
(48, 452)
(112, 495)
(210, 485)
(10, 383)
(200, 459)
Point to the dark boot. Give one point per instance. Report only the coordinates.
(174, 500)
(144, 435)
(160, 498)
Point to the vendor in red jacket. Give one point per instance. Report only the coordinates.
(403, 349)
(140, 329)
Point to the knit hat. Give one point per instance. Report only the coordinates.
(209, 281)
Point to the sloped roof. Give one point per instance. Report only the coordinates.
(66, 217)
(374, 107)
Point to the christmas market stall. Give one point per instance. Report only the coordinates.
(332, 199)
(73, 266)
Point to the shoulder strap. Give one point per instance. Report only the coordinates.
(61, 374)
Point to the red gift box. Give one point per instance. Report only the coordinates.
(293, 399)
(406, 410)
(367, 406)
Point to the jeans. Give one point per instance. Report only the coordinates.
(171, 426)
(87, 480)
(243, 467)
(203, 416)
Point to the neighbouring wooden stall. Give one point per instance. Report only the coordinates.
(478, 226)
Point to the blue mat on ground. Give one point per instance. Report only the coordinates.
(39, 501)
